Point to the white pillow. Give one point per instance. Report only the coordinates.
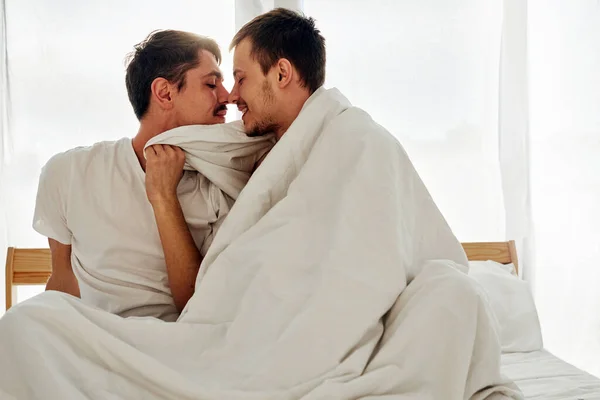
(512, 303)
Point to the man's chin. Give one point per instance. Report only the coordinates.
(249, 127)
(254, 129)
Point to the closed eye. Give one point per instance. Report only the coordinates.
(211, 86)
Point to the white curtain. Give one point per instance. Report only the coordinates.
(496, 101)
(429, 72)
(564, 76)
(513, 132)
(245, 10)
(4, 145)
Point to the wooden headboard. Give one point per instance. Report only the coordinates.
(502, 252)
(33, 266)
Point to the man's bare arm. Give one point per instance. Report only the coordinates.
(62, 278)
(164, 168)
(181, 254)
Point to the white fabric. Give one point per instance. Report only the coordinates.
(543, 376)
(289, 302)
(94, 198)
(564, 82)
(512, 303)
(4, 144)
(4, 92)
(222, 153)
(513, 134)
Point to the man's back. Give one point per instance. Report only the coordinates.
(94, 199)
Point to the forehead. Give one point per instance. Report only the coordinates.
(241, 55)
(208, 62)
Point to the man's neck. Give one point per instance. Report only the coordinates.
(147, 130)
(291, 111)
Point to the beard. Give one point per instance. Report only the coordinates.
(266, 124)
(262, 128)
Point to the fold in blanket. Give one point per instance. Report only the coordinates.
(223, 153)
(334, 277)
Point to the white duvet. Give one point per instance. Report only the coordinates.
(302, 295)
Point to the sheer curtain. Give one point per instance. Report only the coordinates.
(564, 76)
(4, 145)
(429, 72)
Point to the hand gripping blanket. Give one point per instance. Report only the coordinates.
(222, 152)
(334, 277)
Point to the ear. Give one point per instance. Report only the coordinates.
(285, 72)
(161, 93)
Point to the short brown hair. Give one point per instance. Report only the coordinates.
(167, 54)
(282, 33)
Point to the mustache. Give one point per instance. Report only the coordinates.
(221, 107)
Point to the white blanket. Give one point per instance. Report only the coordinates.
(303, 294)
(222, 153)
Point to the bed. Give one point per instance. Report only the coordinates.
(541, 375)
(537, 372)
(494, 265)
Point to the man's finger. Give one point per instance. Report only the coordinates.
(150, 152)
(179, 152)
(178, 149)
(169, 150)
(155, 148)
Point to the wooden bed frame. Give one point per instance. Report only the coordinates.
(26, 267)
(501, 252)
(33, 266)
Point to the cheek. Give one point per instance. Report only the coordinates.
(254, 100)
(247, 93)
(211, 100)
(205, 100)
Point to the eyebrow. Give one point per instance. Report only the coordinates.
(214, 73)
(236, 71)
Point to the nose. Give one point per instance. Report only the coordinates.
(234, 96)
(223, 95)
